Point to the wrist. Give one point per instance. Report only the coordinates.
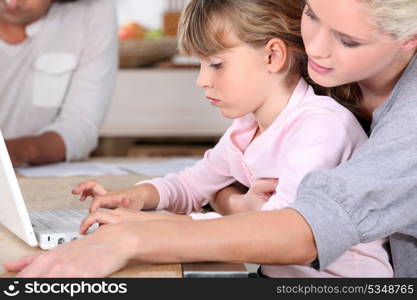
(32, 149)
(130, 240)
(48, 147)
(25, 150)
(148, 195)
(140, 240)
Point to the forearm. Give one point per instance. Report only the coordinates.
(278, 237)
(225, 204)
(35, 150)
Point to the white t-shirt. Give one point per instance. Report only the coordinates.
(62, 77)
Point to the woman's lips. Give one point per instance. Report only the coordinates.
(317, 68)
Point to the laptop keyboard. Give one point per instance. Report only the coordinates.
(59, 220)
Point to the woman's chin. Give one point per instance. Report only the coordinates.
(324, 81)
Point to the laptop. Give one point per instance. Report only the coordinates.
(45, 229)
(216, 270)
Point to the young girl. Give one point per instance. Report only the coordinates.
(250, 71)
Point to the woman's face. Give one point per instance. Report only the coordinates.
(22, 12)
(342, 44)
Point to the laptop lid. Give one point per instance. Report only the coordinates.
(13, 212)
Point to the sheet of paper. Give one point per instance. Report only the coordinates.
(148, 168)
(72, 169)
(159, 168)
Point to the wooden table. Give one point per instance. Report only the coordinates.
(55, 193)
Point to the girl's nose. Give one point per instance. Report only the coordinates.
(203, 80)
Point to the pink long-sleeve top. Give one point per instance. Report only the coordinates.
(312, 132)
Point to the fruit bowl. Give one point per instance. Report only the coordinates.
(138, 53)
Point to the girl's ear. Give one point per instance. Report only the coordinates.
(277, 53)
(410, 43)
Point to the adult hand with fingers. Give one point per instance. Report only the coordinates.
(95, 255)
(120, 215)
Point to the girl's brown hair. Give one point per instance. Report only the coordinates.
(206, 24)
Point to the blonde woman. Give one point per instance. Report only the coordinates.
(367, 198)
(371, 43)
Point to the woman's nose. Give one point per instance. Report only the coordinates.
(319, 44)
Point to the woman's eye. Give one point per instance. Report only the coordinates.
(349, 44)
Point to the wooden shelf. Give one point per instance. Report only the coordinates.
(161, 103)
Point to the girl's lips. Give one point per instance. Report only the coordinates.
(213, 101)
(317, 68)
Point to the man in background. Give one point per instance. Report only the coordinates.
(58, 62)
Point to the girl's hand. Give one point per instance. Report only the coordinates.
(258, 194)
(237, 199)
(103, 198)
(121, 215)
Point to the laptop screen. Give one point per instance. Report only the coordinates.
(13, 212)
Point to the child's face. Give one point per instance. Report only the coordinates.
(235, 80)
(342, 44)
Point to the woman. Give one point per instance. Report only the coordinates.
(367, 198)
(372, 43)
(373, 194)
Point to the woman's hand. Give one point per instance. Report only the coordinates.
(132, 198)
(110, 247)
(96, 255)
(121, 215)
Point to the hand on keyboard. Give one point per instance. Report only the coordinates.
(103, 198)
(120, 215)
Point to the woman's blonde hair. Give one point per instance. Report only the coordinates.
(394, 17)
(397, 18)
(206, 24)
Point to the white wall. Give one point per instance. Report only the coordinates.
(148, 13)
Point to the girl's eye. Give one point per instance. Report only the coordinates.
(216, 66)
(309, 13)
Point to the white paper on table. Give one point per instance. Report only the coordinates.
(159, 168)
(72, 169)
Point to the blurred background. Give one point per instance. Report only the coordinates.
(157, 110)
(147, 13)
